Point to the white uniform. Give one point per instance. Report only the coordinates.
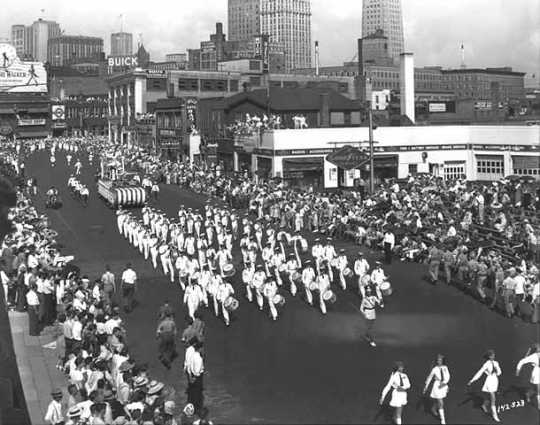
(440, 375)
(225, 290)
(308, 276)
(399, 396)
(492, 370)
(193, 297)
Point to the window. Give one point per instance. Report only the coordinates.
(155, 84)
(454, 170)
(188, 84)
(255, 81)
(254, 65)
(233, 85)
(490, 165)
(413, 169)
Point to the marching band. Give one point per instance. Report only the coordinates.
(196, 250)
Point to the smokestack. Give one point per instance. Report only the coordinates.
(406, 85)
(463, 66)
(317, 58)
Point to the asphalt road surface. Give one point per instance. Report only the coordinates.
(306, 367)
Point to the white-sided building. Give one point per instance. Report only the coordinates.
(485, 153)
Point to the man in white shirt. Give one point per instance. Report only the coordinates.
(54, 415)
(194, 368)
(389, 240)
(361, 268)
(129, 282)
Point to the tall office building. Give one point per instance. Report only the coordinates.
(121, 44)
(74, 49)
(18, 39)
(42, 31)
(244, 19)
(385, 15)
(287, 22)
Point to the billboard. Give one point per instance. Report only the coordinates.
(20, 77)
(122, 61)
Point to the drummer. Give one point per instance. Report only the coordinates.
(308, 277)
(247, 278)
(342, 264)
(378, 276)
(323, 285)
(292, 272)
(224, 291)
(361, 269)
(259, 277)
(270, 291)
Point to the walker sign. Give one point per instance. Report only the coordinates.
(20, 77)
(348, 158)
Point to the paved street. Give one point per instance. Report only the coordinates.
(305, 368)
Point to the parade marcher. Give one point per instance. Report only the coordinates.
(342, 264)
(323, 285)
(492, 370)
(439, 377)
(368, 308)
(399, 384)
(193, 297)
(308, 278)
(166, 335)
(270, 291)
(532, 358)
(361, 269)
(225, 290)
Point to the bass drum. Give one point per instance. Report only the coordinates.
(329, 297)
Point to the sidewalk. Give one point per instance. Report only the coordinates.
(37, 366)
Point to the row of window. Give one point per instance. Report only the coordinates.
(493, 166)
(527, 171)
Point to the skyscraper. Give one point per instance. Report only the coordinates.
(121, 44)
(287, 22)
(73, 49)
(385, 15)
(41, 32)
(244, 19)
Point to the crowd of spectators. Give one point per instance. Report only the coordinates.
(106, 385)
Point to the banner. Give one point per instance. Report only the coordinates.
(20, 77)
(266, 53)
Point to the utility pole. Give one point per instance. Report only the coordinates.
(371, 161)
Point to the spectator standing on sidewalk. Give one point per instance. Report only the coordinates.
(55, 415)
(129, 282)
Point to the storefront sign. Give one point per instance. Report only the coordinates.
(168, 133)
(348, 158)
(59, 125)
(58, 112)
(437, 107)
(28, 122)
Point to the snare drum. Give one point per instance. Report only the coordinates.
(329, 297)
(347, 272)
(228, 270)
(296, 277)
(279, 300)
(313, 286)
(282, 268)
(386, 288)
(231, 304)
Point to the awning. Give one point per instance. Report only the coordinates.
(303, 164)
(385, 161)
(32, 134)
(525, 162)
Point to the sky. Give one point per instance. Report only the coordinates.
(494, 32)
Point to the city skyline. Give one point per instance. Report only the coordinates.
(514, 34)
